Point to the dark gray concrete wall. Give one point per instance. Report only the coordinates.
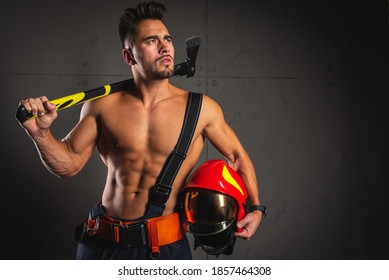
(303, 83)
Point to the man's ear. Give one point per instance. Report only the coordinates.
(128, 56)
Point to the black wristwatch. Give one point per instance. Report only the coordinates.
(259, 208)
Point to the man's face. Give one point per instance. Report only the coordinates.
(153, 50)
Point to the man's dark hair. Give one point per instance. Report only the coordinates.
(129, 18)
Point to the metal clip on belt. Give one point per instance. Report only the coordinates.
(92, 225)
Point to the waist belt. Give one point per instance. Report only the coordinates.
(150, 233)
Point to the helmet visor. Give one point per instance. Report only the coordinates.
(208, 212)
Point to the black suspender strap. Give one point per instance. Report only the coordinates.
(162, 189)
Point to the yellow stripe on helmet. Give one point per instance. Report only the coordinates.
(228, 177)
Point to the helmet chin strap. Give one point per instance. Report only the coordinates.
(215, 251)
(226, 249)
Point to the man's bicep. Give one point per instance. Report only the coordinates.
(81, 140)
(222, 136)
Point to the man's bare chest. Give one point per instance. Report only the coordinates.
(153, 132)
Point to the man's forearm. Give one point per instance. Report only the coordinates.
(54, 154)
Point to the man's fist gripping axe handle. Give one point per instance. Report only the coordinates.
(187, 68)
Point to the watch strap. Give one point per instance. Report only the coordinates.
(261, 208)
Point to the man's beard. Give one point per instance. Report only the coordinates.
(162, 74)
(152, 71)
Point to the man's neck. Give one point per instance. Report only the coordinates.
(151, 91)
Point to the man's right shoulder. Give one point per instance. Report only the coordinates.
(98, 104)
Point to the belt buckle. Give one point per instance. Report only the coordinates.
(132, 235)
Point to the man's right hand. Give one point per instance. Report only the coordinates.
(45, 111)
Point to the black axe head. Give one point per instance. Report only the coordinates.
(188, 67)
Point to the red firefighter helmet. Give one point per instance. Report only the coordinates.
(214, 199)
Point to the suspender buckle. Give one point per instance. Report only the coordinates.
(160, 195)
(162, 189)
(178, 154)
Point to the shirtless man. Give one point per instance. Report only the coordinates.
(134, 131)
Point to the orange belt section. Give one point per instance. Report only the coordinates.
(160, 230)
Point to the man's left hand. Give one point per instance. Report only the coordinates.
(249, 225)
